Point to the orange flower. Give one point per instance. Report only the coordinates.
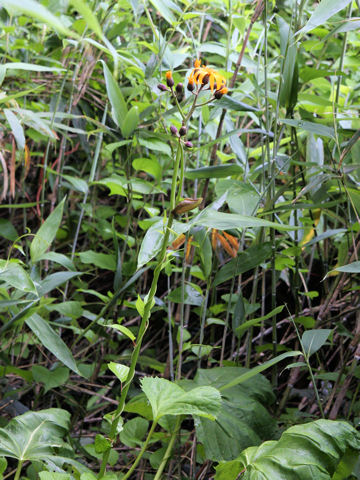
(202, 75)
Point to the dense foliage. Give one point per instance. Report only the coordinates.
(179, 225)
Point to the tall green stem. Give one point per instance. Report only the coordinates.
(147, 311)
(169, 449)
(142, 451)
(18, 470)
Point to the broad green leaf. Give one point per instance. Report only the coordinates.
(16, 128)
(235, 105)
(59, 258)
(313, 340)
(121, 371)
(7, 230)
(312, 127)
(101, 260)
(247, 260)
(168, 398)
(309, 451)
(241, 197)
(242, 419)
(192, 296)
(70, 308)
(52, 341)
(118, 104)
(3, 466)
(153, 238)
(46, 233)
(260, 368)
(50, 378)
(350, 268)
(134, 432)
(38, 12)
(226, 221)
(34, 435)
(216, 171)
(15, 276)
(131, 122)
(325, 10)
(54, 476)
(54, 280)
(148, 165)
(154, 143)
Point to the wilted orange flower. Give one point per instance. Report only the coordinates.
(228, 242)
(202, 75)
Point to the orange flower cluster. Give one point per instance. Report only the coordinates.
(202, 75)
(227, 241)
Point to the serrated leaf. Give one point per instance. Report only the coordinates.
(312, 450)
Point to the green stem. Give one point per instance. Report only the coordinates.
(142, 451)
(147, 312)
(18, 470)
(169, 449)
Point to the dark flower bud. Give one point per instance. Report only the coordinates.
(169, 79)
(205, 80)
(188, 144)
(174, 130)
(179, 88)
(191, 86)
(182, 131)
(162, 87)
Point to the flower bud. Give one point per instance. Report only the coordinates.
(169, 80)
(182, 131)
(162, 87)
(174, 130)
(191, 86)
(179, 88)
(186, 205)
(188, 144)
(219, 93)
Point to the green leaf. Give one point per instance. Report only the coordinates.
(34, 435)
(192, 296)
(101, 260)
(288, 49)
(123, 330)
(50, 378)
(101, 443)
(312, 127)
(118, 104)
(313, 340)
(51, 340)
(325, 10)
(256, 321)
(163, 6)
(58, 258)
(54, 476)
(3, 466)
(36, 10)
(16, 128)
(168, 398)
(89, 17)
(46, 233)
(31, 67)
(350, 268)
(154, 143)
(216, 171)
(242, 419)
(121, 371)
(131, 122)
(226, 221)
(54, 280)
(260, 368)
(247, 260)
(235, 105)
(15, 276)
(148, 165)
(134, 432)
(7, 230)
(312, 450)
